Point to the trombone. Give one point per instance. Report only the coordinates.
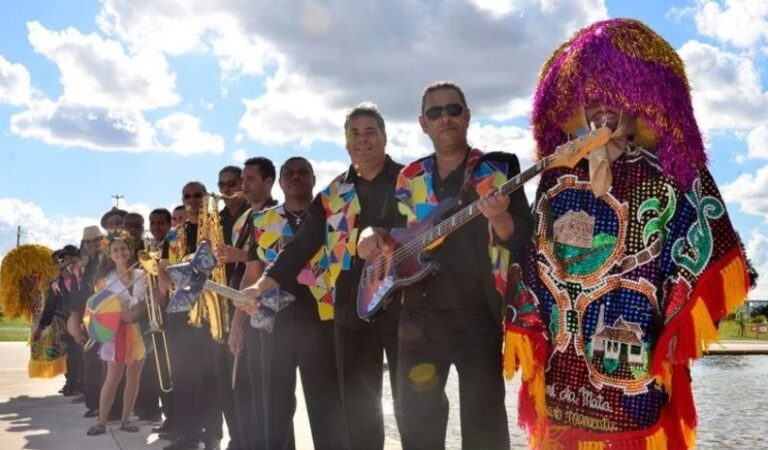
(149, 262)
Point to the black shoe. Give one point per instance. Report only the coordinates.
(91, 413)
(213, 444)
(163, 428)
(182, 443)
(80, 398)
(170, 435)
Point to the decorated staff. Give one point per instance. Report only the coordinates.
(634, 258)
(27, 287)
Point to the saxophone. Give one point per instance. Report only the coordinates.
(210, 308)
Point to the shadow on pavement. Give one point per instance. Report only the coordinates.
(54, 423)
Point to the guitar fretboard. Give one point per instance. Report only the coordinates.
(462, 217)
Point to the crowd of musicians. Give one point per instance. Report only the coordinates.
(311, 248)
(601, 302)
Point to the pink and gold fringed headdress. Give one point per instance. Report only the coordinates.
(621, 63)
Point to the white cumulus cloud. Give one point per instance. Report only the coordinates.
(98, 71)
(743, 23)
(37, 226)
(757, 251)
(750, 192)
(726, 88)
(15, 85)
(185, 136)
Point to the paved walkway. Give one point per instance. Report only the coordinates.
(34, 416)
(746, 347)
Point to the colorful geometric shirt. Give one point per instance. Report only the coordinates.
(417, 199)
(272, 230)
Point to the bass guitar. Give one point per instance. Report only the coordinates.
(405, 261)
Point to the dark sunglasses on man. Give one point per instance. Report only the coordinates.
(452, 110)
(195, 195)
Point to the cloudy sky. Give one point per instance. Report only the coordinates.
(136, 97)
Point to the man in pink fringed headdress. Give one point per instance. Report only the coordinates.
(634, 257)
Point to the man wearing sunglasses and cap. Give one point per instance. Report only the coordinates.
(454, 317)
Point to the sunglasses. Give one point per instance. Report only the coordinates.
(435, 112)
(195, 195)
(229, 184)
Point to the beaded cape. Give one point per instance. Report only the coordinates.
(271, 232)
(619, 293)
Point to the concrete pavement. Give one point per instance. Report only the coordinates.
(34, 416)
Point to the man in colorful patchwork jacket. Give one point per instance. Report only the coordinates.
(361, 197)
(634, 258)
(454, 317)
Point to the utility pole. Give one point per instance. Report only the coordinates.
(117, 198)
(18, 235)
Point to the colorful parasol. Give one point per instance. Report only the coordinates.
(102, 316)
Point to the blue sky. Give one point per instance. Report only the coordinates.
(137, 97)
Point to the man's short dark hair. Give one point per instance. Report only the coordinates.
(180, 207)
(366, 109)
(195, 183)
(162, 212)
(442, 85)
(134, 215)
(295, 158)
(234, 170)
(265, 165)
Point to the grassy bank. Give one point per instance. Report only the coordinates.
(729, 329)
(13, 330)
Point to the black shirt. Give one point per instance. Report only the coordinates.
(378, 208)
(227, 220)
(464, 285)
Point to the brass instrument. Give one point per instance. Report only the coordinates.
(149, 262)
(210, 308)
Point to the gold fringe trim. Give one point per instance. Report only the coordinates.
(518, 353)
(47, 369)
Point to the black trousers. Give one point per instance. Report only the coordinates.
(74, 373)
(300, 340)
(224, 361)
(243, 403)
(429, 343)
(92, 373)
(195, 395)
(148, 398)
(359, 361)
(253, 425)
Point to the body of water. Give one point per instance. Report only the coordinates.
(731, 395)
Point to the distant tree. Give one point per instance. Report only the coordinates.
(760, 311)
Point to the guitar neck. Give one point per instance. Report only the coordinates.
(465, 215)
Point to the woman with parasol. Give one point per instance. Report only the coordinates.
(111, 316)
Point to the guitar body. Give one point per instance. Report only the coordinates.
(405, 261)
(383, 276)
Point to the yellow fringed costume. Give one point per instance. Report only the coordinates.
(25, 284)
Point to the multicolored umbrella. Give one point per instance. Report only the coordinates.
(102, 316)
